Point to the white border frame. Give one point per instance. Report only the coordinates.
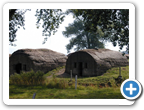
(8, 6)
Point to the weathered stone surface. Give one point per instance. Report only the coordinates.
(94, 62)
(36, 59)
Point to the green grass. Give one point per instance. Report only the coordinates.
(100, 87)
(109, 76)
(42, 92)
(28, 78)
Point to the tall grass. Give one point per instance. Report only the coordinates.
(37, 78)
(28, 78)
(56, 83)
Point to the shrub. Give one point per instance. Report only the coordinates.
(63, 84)
(15, 79)
(56, 83)
(27, 78)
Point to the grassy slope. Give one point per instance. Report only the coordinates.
(107, 77)
(90, 91)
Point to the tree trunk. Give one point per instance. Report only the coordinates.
(88, 41)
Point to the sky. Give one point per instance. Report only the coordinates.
(32, 37)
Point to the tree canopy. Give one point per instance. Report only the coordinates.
(81, 39)
(112, 23)
(51, 19)
(16, 20)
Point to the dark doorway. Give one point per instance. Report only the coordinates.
(80, 68)
(18, 68)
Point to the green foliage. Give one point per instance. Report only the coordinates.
(27, 78)
(51, 19)
(83, 39)
(114, 23)
(16, 20)
(111, 24)
(57, 83)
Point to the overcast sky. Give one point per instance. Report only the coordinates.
(32, 37)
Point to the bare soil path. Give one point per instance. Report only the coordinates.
(61, 73)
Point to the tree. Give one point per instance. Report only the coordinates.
(114, 23)
(83, 39)
(16, 20)
(51, 19)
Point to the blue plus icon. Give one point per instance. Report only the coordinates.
(130, 89)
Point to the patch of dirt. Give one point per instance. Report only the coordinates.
(61, 71)
(61, 74)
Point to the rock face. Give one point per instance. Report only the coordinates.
(36, 59)
(94, 62)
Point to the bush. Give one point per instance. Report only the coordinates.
(56, 83)
(27, 78)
